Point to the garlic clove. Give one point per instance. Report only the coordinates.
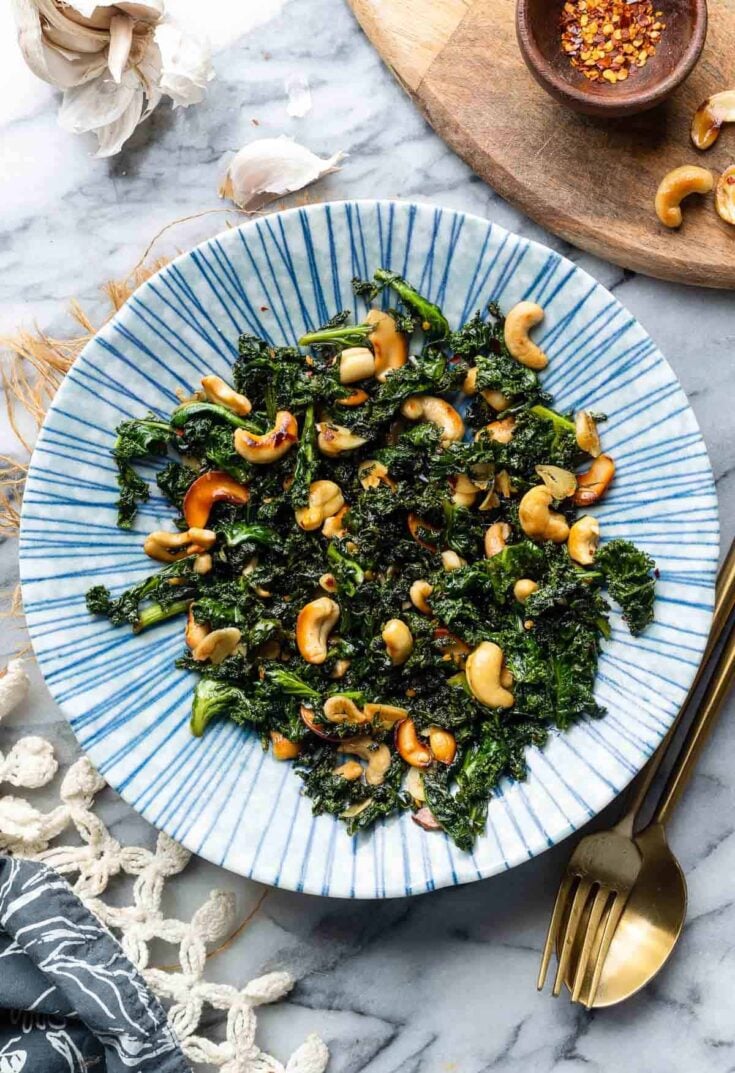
(121, 39)
(64, 32)
(270, 167)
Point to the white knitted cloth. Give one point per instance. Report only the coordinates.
(27, 832)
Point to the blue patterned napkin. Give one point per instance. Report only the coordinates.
(70, 1000)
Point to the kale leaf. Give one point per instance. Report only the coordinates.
(630, 578)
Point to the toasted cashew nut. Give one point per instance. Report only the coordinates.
(588, 437)
(398, 640)
(218, 645)
(443, 744)
(273, 444)
(390, 345)
(469, 384)
(483, 670)
(203, 564)
(384, 715)
(560, 482)
(452, 561)
(419, 593)
(313, 626)
(674, 187)
(538, 520)
(709, 117)
(438, 412)
(340, 668)
(283, 749)
(523, 589)
(202, 538)
(592, 485)
(325, 500)
(356, 398)
(519, 321)
(496, 399)
(377, 756)
(464, 491)
(350, 770)
(356, 363)
(506, 678)
(725, 195)
(496, 537)
(195, 632)
(217, 390)
(341, 709)
(500, 431)
(334, 439)
(166, 547)
(333, 527)
(372, 474)
(584, 536)
(169, 547)
(410, 747)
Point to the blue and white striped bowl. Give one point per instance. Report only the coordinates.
(278, 277)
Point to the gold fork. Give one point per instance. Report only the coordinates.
(604, 866)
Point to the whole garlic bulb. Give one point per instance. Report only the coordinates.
(114, 62)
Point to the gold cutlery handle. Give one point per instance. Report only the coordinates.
(707, 712)
(723, 609)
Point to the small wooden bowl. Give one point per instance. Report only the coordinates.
(539, 37)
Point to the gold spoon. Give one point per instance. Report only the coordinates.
(655, 911)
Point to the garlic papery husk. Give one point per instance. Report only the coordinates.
(270, 167)
(185, 66)
(298, 92)
(114, 61)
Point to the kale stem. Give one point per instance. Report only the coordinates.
(551, 415)
(155, 613)
(347, 335)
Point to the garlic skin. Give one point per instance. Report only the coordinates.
(185, 66)
(270, 167)
(114, 62)
(298, 92)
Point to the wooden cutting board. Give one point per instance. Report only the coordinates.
(590, 181)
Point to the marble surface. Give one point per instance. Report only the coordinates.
(442, 983)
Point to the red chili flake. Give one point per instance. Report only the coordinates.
(612, 38)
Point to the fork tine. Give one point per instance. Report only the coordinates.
(616, 911)
(575, 915)
(553, 929)
(598, 907)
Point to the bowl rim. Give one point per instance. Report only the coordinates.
(26, 571)
(600, 104)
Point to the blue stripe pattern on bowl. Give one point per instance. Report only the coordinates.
(222, 796)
